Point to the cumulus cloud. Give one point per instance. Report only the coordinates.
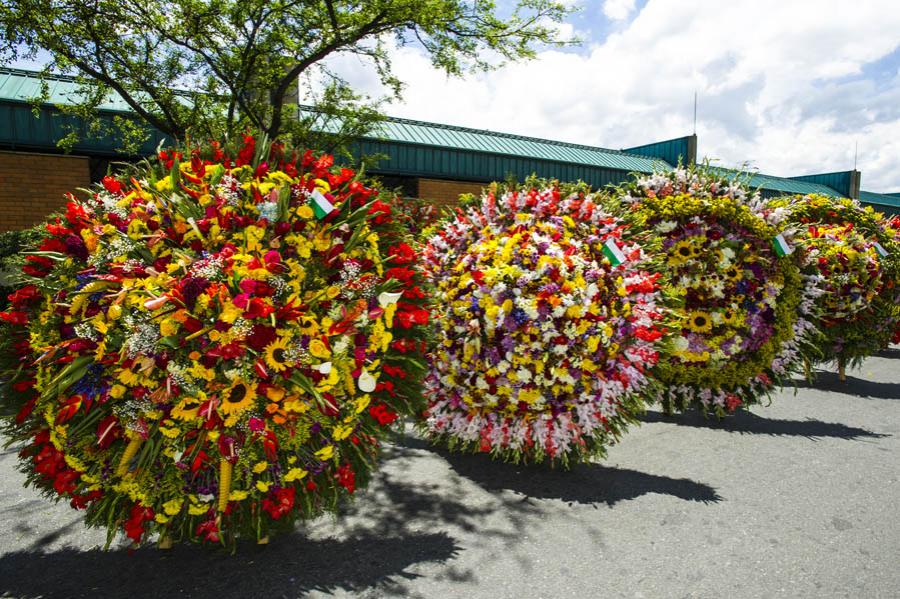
(782, 86)
(618, 10)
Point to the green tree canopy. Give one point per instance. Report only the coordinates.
(214, 67)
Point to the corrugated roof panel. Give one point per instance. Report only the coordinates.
(882, 199)
(778, 184)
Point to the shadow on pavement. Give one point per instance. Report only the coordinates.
(889, 352)
(290, 566)
(749, 423)
(828, 381)
(584, 483)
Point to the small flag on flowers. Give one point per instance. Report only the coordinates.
(880, 249)
(782, 247)
(613, 253)
(320, 204)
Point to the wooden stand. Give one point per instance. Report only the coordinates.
(263, 541)
(164, 543)
(842, 371)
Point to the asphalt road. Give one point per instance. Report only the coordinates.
(796, 499)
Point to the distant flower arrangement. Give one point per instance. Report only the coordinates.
(739, 306)
(547, 327)
(212, 347)
(859, 262)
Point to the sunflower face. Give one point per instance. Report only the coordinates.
(275, 356)
(700, 322)
(237, 398)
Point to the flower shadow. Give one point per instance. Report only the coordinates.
(291, 566)
(745, 422)
(583, 483)
(829, 381)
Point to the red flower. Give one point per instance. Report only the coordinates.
(381, 211)
(347, 478)
(134, 526)
(209, 530)
(17, 318)
(111, 184)
(382, 414)
(280, 503)
(402, 254)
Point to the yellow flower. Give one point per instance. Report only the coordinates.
(305, 212)
(295, 474)
(237, 495)
(325, 453)
(699, 321)
(263, 486)
(129, 378)
(117, 391)
(680, 253)
(274, 355)
(237, 398)
(260, 466)
(173, 507)
(308, 325)
(317, 348)
(186, 409)
(341, 432)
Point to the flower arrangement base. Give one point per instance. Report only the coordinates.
(165, 542)
(842, 372)
(263, 541)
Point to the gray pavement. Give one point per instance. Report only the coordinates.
(796, 499)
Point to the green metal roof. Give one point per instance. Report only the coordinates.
(17, 85)
(475, 140)
(882, 199)
(779, 185)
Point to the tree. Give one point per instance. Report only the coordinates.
(217, 67)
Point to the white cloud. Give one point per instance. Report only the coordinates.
(779, 86)
(618, 10)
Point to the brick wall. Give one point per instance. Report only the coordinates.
(33, 185)
(446, 192)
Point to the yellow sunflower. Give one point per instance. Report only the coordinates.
(274, 354)
(238, 397)
(730, 316)
(680, 253)
(699, 321)
(735, 273)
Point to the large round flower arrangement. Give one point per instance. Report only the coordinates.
(213, 347)
(740, 312)
(859, 262)
(547, 329)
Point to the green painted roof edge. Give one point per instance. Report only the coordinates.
(882, 199)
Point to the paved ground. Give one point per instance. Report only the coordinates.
(796, 499)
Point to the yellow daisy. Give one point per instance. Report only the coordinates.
(238, 397)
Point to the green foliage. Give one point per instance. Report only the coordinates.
(209, 68)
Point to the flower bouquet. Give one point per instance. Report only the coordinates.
(547, 328)
(858, 260)
(739, 306)
(212, 347)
